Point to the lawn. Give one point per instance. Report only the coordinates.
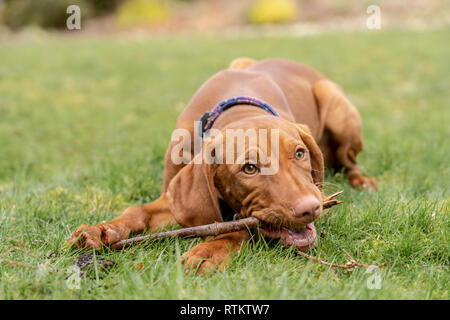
(84, 123)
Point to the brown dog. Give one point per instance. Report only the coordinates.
(313, 112)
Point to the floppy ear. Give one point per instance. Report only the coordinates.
(316, 155)
(191, 195)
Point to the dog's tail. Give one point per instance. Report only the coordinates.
(242, 63)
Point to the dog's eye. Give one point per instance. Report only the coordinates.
(299, 154)
(250, 169)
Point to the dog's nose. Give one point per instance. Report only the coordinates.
(307, 208)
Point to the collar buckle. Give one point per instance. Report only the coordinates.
(202, 123)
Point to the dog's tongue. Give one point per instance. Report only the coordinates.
(303, 238)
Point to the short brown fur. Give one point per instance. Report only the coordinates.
(314, 112)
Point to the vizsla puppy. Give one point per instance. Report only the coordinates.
(316, 124)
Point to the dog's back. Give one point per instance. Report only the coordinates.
(285, 85)
(296, 81)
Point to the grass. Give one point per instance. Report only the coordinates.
(85, 123)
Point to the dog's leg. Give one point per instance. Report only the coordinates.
(342, 121)
(214, 254)
(136, 219)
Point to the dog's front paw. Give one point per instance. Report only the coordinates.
(209, 256)
(96, 236)
(368, 183)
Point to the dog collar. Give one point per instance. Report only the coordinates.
(207, 119)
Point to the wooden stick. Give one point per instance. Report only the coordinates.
(349, 265)
(217, 228)
(13, 264)
(213, 229)
(329, 201)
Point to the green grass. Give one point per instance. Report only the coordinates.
(84, 123)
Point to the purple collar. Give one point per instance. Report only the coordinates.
(207, 119)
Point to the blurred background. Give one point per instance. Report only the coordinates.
(209, 16)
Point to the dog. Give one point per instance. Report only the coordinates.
(317, 127)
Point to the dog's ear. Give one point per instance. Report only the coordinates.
(191, 195)
(315, 153)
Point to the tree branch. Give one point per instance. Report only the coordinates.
(352, 263)
(217, 228)
(213, 229)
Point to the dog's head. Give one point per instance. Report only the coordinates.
(277, 178)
